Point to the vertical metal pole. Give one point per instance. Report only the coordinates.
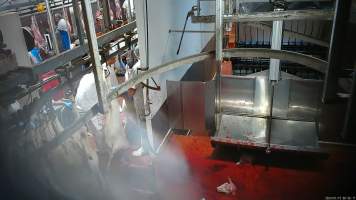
(52, 27)
(274, 67)
(78, 22)
(198, 7)
(342, 12)
(129, 11)
(106, 15)
(95, 57)
(350, 118)
(218, 55)
(274, 74)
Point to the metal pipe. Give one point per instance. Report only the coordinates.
(309, 61)
(218, 55)
(117, 90)
(106, 15)
(95, 57)
(52, 27)
(269, 119)
(181, 37)
(276, 43)
(198, 7)
(130, 11)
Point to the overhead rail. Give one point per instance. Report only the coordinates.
(312, 14)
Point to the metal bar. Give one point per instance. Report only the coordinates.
(181, 37)
(166, 136)
(67, 133)
(269, 119)
(306, 60)
(52, 27)
(276, 44)
(116, 91)
(309, 61)
(67, 56)
(339, 30)
(189, 31)
(78, 23)
(350, 118)
(94, 54)
(198, 8)
(130, 11)
(219, 9)
(270, 16)
(106, 15)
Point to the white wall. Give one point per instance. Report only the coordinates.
(164, 15)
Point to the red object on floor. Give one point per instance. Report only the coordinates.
(186, 169)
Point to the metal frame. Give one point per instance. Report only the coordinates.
(52, 27)
(308, 61)
(342, 12)
(219, 33)
(67, 56)
(101, 86)
(116, 91)
(270, 16)
(281, 15)
(290, 33)
(158, 70)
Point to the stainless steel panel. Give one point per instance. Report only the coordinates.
(243, 128)
(210, 105)
(251, 131)
(304, 99)
(174, 104)
(261, 96)
(193, 101)
(294, 133)
(277, 31)
(281, 99)
(237, 94)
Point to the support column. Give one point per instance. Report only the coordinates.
(78, 23)
(274, 73)
(218, 56)
(276, 43)
(52, 27)
(95, 57)
(342, 12)
(106, 15)
(350, 118)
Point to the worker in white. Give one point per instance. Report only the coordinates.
(134, 109)
(108, 130)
